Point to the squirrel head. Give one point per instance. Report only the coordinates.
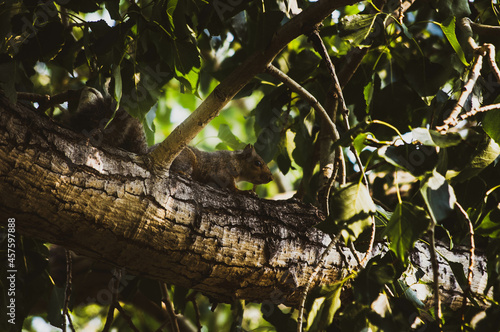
(253, 169)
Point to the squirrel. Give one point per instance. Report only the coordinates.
(222, 169)
(91, 119)
(219, 169)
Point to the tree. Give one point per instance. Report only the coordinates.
(381, 117)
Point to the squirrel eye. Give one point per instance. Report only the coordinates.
(257, 163)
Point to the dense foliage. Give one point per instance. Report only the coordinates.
(403, 71)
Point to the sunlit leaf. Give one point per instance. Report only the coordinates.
(351, 208)
(483, 155)
(282, 322)
(434, 138)
(368, 94)
(491, 124)
(171, 5)
(490, 225)
(226, 135)
(118, 83)
(438, 196)
(448, 27)
(324, 308)
(356, 28)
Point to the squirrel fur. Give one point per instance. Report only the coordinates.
(91, 118)
(220, 169)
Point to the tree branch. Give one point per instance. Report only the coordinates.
(104, 203)
(162, 157)
(452, 119)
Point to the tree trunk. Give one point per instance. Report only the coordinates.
(104, 203)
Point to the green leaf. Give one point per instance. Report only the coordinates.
(149, 126)
(438, 196)
(368, 94)
(407, 224)
(371, 280)
(484, 154)
(458, 271)
(491, 124)
(448, 27)
(187, 56)
(171, 5)
(56, 303)
(352, 134)
(283, 160)
(322, 312)
(416, 159)
(434, 138)
(113, 7)
(180, 298)
(281, 321)
(351, 208)
(490, 225)
(455, 8)
(359, 142)
(118, 83)
(226, 135)
(356, 28)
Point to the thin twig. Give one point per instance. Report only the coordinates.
(452, 119)
(319, 264)
(492, 61)
(298, 89)
(355, 254)
(329, 162)
(487, 108)
(435, 274)
(320, 47)
(169, 307)
(114, 300)
(197, 314)
(67, 291)
(479, 110)
(126, 317)
(470, 270)
(370, 245)
(485, 30)
(489, 49)
(70, 322)
(355, 56)
(330, 181)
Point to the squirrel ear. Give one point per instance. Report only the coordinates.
(248, 150)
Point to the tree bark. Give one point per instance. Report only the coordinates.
(106, 204)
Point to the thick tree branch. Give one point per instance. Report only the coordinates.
(162, 157)
(106, 204)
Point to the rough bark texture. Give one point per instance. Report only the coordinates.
(105, 203)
